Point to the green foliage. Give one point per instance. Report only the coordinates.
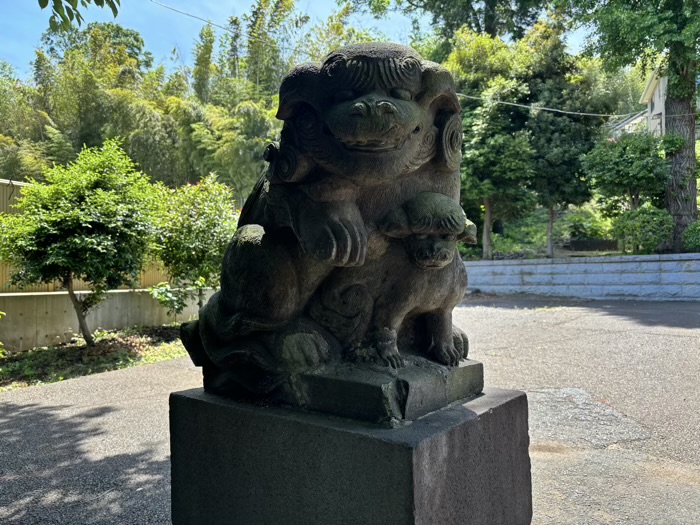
(526, 235)
(19, 119)
(88, 221)
(124, 41)
(194, 225)
(498, 156)
(65, 12)
(515, 156)
(203, 67)
(625, 30)
(627, 171)
(335, 32)
(557, 79)
(22, 160)
(113, 350)
(230, 144)
(691, 238)
(585, 223)
(644, 230)
(492, 17)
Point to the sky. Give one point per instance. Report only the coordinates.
(22, 22)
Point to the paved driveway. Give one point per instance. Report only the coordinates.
(614, 400)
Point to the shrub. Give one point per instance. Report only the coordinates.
(585, 223)
(644, 230)
(629, 170)
(691, 238)
(194, 226)
(90, 221)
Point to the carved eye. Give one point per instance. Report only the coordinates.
(449, 237)
(421, 236)
(345, 95)
(401, 94)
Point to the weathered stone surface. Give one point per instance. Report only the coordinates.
(346, 251)
(384, 395)
(467, 464)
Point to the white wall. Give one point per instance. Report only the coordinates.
(647, 277)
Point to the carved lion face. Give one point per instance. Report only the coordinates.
(372, 112)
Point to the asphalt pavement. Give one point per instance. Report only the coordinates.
(614, 420)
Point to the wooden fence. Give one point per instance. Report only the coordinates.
(9, 192)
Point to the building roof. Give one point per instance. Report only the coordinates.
(650, 87)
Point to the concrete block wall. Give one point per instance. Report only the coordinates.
(644, 277)
(42, 319)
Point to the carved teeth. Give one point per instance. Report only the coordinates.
(372, 145)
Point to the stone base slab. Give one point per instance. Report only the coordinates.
(381, 394)
(234, 463)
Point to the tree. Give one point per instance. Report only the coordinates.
(624, 31)
(557, 80)
(195, 224)
(627, 171)
(64, 12)
(498, 161)
(56, 43)
(333, 33)
(230, 144)
(203, 67)
(492, 17)
(90, 222)
(268, 27)
(498, 155)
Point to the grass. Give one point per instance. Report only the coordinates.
(112, 350)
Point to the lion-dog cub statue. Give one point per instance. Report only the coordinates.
(411, 281)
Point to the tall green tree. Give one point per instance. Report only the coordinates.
(89, 221)
(492, 17)
(269, 49)
(498, 155)
(230, 143)
(625, 30)
(56, 43)
(203, 65)
(557, 79)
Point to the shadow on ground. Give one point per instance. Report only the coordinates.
(48, 476)
(674, 314)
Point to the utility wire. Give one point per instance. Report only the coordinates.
(248, 38)
(530, 107)
(193, 16)
(542, 108)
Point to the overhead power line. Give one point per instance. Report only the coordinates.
(192, 16)
(525, 106)
(554, 110)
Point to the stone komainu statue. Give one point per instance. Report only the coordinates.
(346, 249)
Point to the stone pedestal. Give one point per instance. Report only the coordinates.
(234, 463)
